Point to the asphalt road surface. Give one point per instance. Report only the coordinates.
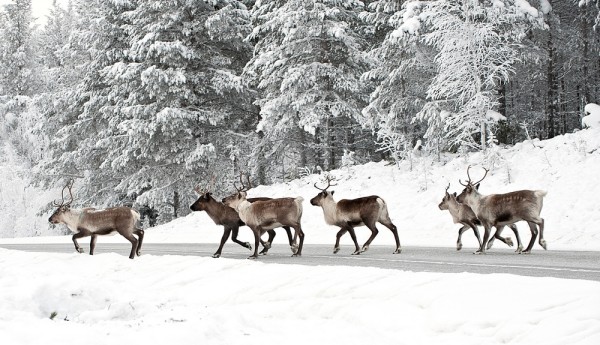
(551, 263)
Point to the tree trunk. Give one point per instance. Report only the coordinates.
(552, 85)
(176, 202)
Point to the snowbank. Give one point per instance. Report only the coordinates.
(592, 119)
(107, 298)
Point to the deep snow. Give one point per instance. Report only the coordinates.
(189, 300)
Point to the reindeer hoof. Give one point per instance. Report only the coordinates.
(296, 255)
(248, 245)
(357, 252)
(294, 249)
(526, 252)
(479, 252)
(458, 246)
(267, 245)
(543, 244)
(216, 255)
(398, 251)
(336, 250)
(364, 248)
(79, 250)
(252, 257)
(138, 253)
(519, 250)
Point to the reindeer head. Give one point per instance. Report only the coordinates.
(62, 207)
(324, 194)
(203, 200)
(447, 199)
(471, 188)
(235, 199)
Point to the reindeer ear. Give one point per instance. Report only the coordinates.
(477, 186)
(208, 193)
(332, 192)
(454, 194)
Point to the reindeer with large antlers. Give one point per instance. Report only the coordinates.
(224, 215)
(91, 222)
(264, 215)
(463, 214)
(349, 213)
(498, 210)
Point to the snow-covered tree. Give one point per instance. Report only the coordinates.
(592, 3)
(16, 59)
(73, 120)
(401, 76)
(476, 44)
(173, 98)
(151, 114)
(18, 79)
(308, 59)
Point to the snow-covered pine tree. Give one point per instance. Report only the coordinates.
(477, 44)
(172, 98)
(308, 59)
(73, 114)
(591, 4)
(18, 78)
(401, 76)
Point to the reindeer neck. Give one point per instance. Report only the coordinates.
(216, 211)
(72, 218)
(329, 210)
(474, 202)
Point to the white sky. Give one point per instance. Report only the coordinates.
(39, 7)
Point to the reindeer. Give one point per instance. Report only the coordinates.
(264, 215)
(464, 215)
(348, 214)
(228, 217)
(499, 210)
(92, 222)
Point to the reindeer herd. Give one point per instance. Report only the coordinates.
(469, 208)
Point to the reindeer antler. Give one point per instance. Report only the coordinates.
(469, 182)
(245, 186)
(329, 179)
(447, 188)
(68, 186)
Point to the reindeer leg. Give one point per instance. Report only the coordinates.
(81, 233)
(392, 227)
(507, 240)
(140, 233)
(513, 227)
(542, 240)
(300, 234)
(292, 240)
(336, 248)
(134, 243)
(357, 250)
(374, 233)
(93, 243)
(257, 232)
(486, 236)
(464, 228)
(226, 233)
(267, 245)
(234, 235)
(534, 232)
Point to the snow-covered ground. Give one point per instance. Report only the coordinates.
(108, 298)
